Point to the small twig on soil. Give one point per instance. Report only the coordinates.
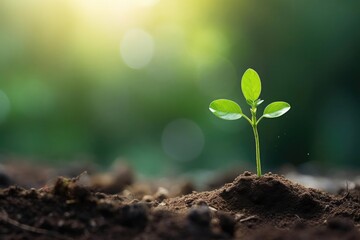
(5, 218)
(347, 192)
(249, 218)
(77, 178)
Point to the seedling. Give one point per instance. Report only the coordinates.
(230, 110)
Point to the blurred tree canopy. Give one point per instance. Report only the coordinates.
(133, 79)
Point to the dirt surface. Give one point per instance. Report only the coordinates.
(270, 207)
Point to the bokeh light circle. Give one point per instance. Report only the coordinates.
(137, 48)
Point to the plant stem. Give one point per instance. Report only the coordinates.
(256, 135)
(257, 146)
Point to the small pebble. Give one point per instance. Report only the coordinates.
(200, 216)
(148, 198)
(135, 215)
(161, 194)
(227, 223)
(247, 173)
(60, 223)
(200, 202)
(93, 223)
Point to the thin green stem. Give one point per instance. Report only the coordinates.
(254, 123)
(248, 119)
(257, 146)
(259, 120)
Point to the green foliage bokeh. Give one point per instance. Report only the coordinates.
(66, 91)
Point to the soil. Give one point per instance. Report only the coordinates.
(269, 207)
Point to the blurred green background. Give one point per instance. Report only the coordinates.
(132, 80)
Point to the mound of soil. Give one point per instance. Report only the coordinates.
(270, 207)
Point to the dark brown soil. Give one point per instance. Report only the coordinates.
(270, 207)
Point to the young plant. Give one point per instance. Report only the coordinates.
(251, 88)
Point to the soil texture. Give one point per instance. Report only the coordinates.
(269, 207)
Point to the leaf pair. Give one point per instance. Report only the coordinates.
(251, 88)
(230, 110)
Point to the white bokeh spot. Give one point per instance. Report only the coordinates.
(137, 48)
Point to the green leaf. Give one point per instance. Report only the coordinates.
(250, 102)
(225, 109)
(251, 85)
(276, 109)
